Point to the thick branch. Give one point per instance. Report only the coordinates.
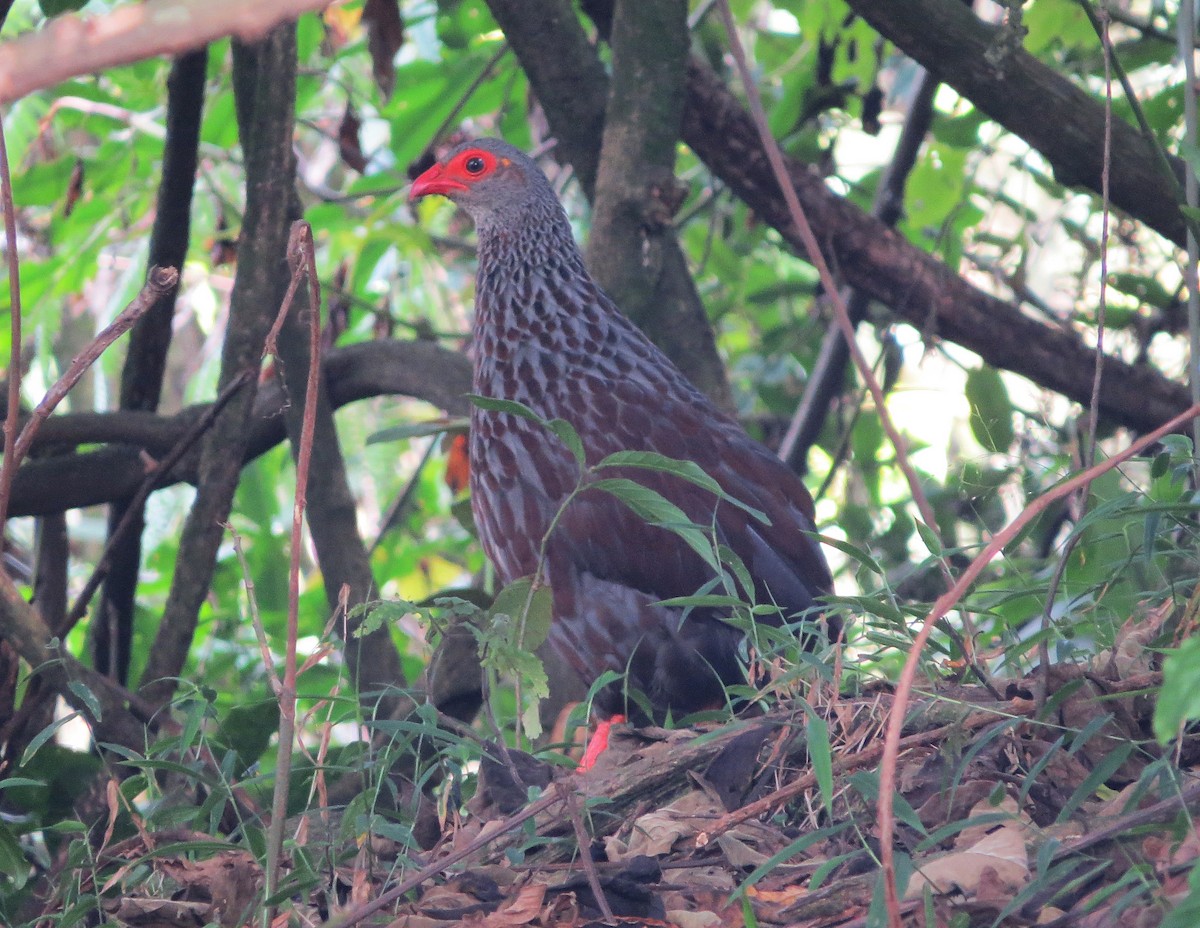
(122, 719)
(566, 74)
(914, 285)
(270, 166)
(1045, 109)
(72, 45)
(632, 248)
(419, 369)
(146, 360)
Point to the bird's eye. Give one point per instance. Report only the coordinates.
(474, 165)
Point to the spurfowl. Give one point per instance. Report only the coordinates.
(547, 336)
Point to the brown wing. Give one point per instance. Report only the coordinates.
(608, 566)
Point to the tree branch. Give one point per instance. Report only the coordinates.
(1045, 109)
(632, 248)
(419, 369)
(122, 716)
(270, 167)
(828, 378)
(146, 360)
(71, 45)
(914, 285)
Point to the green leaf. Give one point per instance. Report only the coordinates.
(991, 409)
(736, 566)
(1103, 770)
(655, 509)
(532, 608)
(381, 613)
(854, 552)
(1143, 287)
(930, 537)
(10, 782)
(13, 865)
(687, 470)
(707, 601)
(568, 436)
(1186, 913)
(820, 754)
(560, 427)
(45, 735)
(510, 407)
(88, 698)
(418, 430)
(52, 8)
(798, 846)
(1179, 698)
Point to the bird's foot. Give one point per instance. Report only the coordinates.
(598, 743)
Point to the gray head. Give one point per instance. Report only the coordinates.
(495, 182)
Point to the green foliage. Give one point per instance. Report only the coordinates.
(515, 626)
(1179, 698)
(55, 7)
(991, 409)
(87, 157)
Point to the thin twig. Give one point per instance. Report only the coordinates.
(260, 633)
(585, 841)
(945, 602)
(1089, 457)
(817, 257)
(465, 97)
(160, 470)
(302, 258)
(8, 471)
(160, 280)
(1088, 450)
(829, 371)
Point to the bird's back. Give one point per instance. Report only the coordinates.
(551, 339)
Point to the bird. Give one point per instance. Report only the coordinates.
(547, 336)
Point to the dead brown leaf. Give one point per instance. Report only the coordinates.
(385, 35)
(158, 913)
(992, 854)
(655, 834)
(228, 881)
(520, 911)
(349, 142)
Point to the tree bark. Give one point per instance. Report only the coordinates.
(632, 248)
(1045, 109)
(69, 481)
(146, 360)
(914, 285)
(270, 170)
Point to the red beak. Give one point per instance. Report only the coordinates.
(434, 181)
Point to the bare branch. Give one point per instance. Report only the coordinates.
(161, 280)
(72, 45)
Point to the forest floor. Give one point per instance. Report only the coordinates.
(1005, 815)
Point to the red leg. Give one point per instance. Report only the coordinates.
(598, 743)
